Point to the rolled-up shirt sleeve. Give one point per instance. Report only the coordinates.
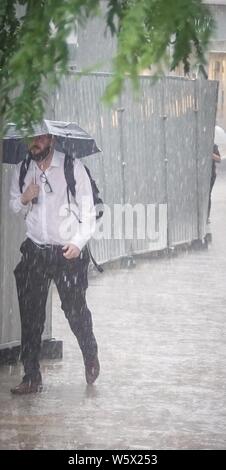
(15, 203)
(86, 208)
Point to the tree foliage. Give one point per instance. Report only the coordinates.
(33, 46)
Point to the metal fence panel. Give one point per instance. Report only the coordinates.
(143, 155)
(81, 101)
(150, 152)
(180, 128)
(206, 115)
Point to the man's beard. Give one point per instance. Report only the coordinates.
(38, 157)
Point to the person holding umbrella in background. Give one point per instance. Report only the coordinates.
(48, 254)
(219, 139)
(216, 158)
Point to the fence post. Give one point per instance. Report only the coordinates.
(101, 161)
(165, 160)
(128, 261)
(196, 109)
(120, 112)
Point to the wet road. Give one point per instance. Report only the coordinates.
(161, 331)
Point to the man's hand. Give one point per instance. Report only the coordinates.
(71, 251)
(31, 192)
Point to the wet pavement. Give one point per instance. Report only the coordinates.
(161, 331)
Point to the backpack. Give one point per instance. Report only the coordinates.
(71, 188)
(71, 185)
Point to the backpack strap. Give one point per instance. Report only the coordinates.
(95, 190)
(69, 176)
(97, 266)
(23, 171)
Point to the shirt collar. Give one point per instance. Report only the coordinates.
(58, 158)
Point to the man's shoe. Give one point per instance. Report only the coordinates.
(27, 387)
(92, 370)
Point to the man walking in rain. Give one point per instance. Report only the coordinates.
(47, 255)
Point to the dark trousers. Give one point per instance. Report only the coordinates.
(213, 179)
(38, 266)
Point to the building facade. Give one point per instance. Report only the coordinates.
(217, 56)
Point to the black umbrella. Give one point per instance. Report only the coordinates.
(69, 138)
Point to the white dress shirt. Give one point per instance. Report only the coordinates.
(50, 221)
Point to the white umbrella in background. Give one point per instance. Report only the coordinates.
(220, 136)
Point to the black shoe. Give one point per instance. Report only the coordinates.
(27, 387)
(92, 370)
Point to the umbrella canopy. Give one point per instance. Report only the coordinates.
(220, 136)
(69, 138)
